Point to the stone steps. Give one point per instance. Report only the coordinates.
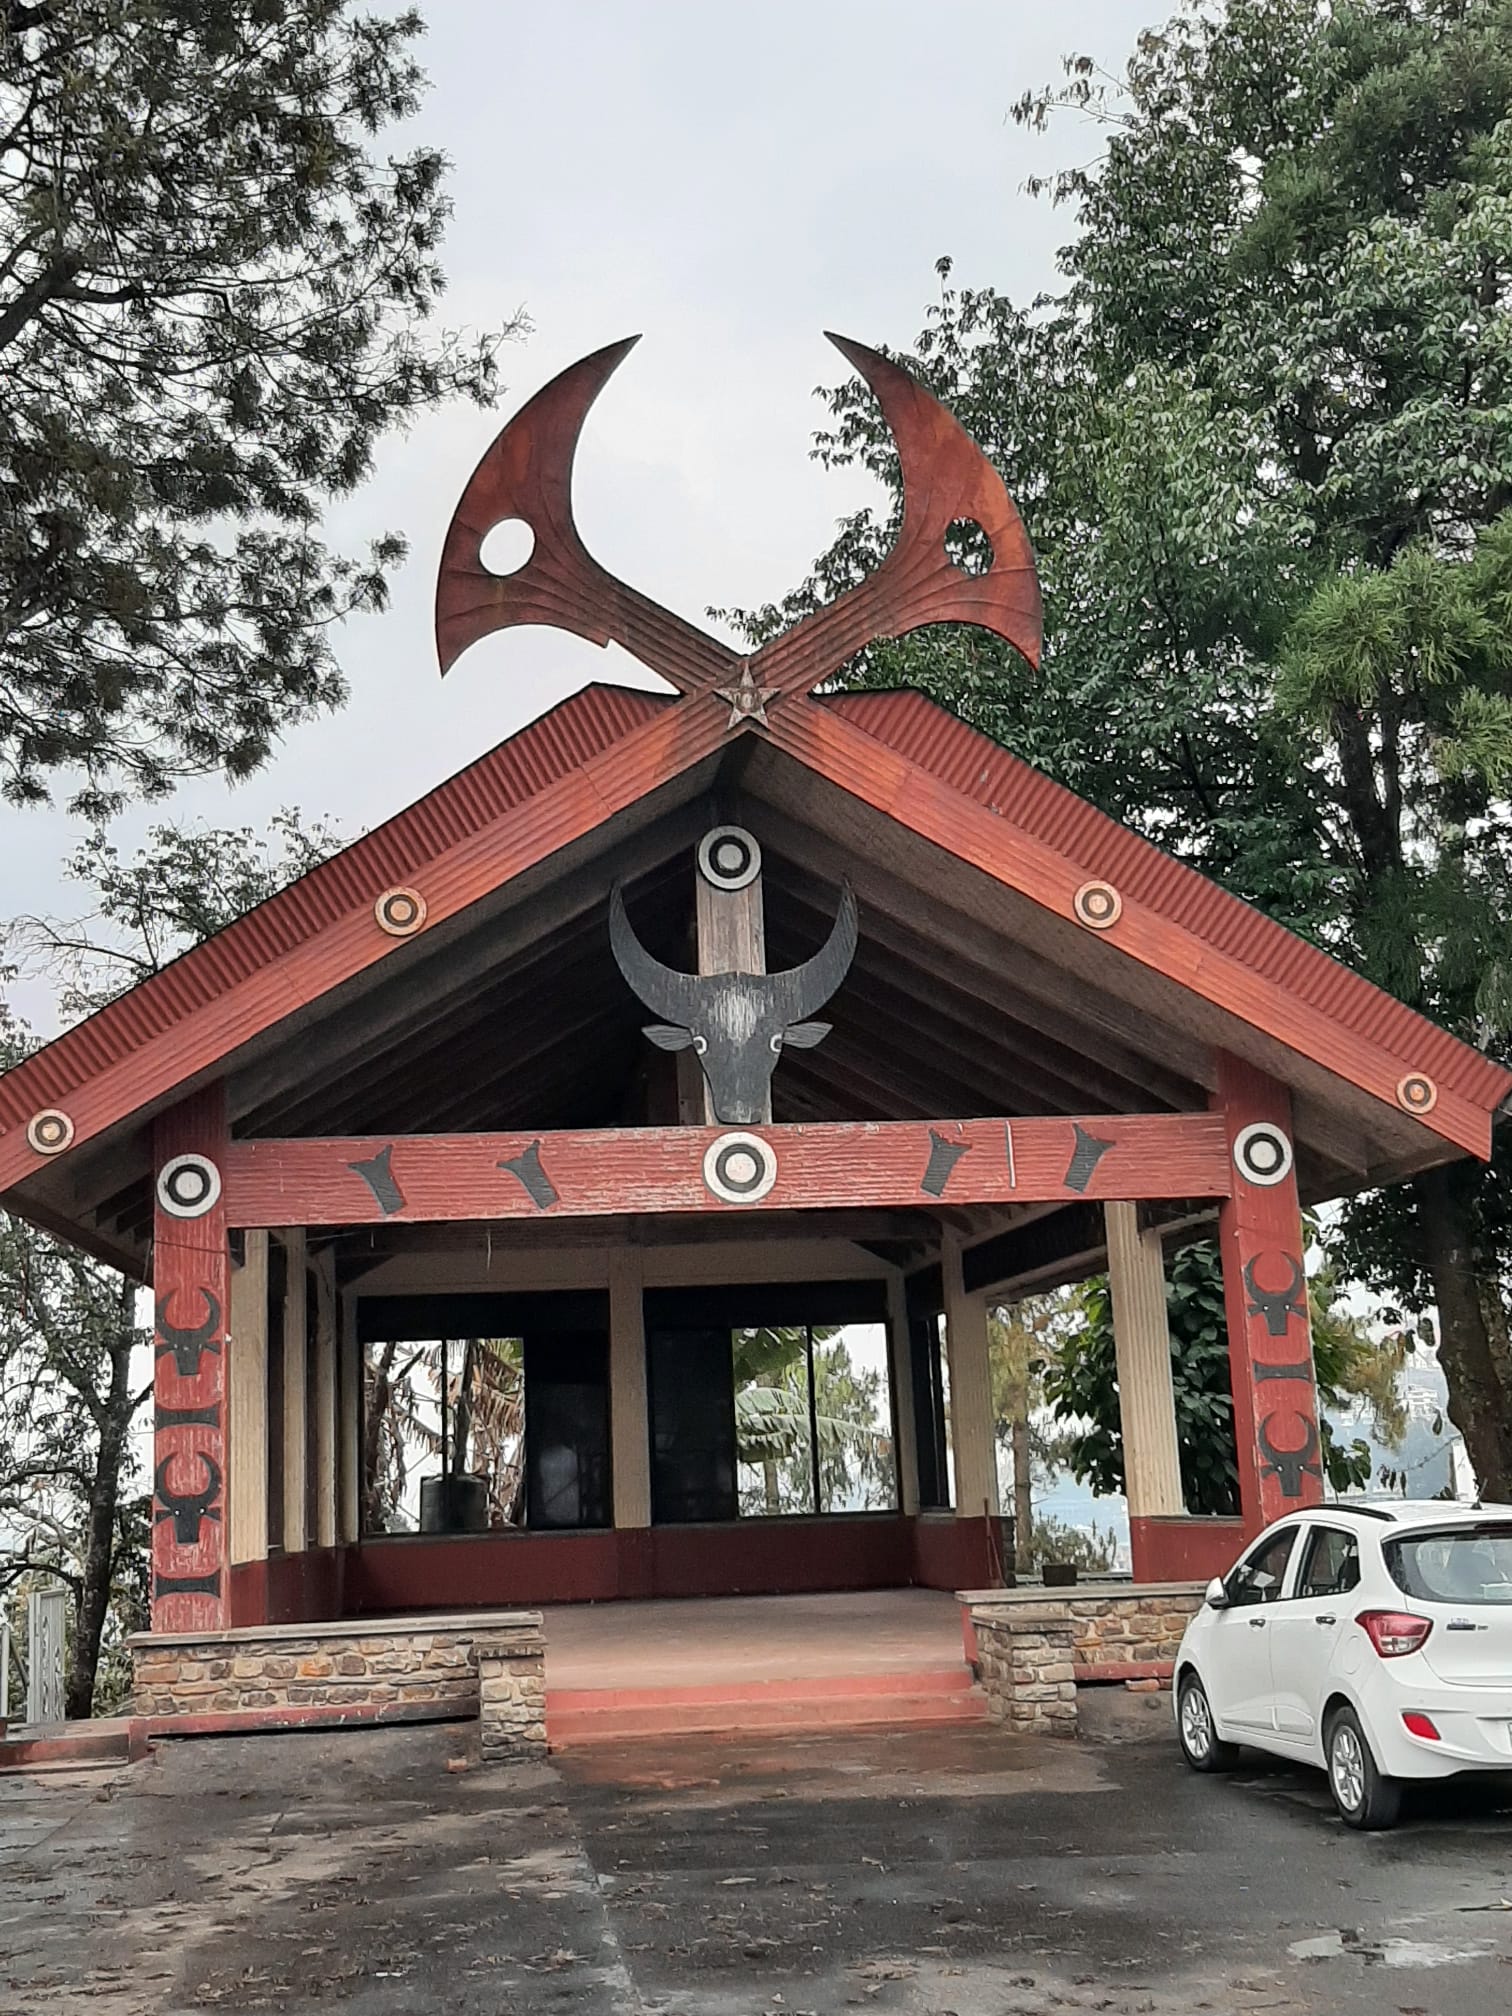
(830, 1701)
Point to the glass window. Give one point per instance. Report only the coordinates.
(813, 1420)
(1461, 1564)
(1331, 1566)
(443, 1435)
(1259, 1576)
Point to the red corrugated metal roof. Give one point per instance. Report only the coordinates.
(979, 768)
(560, 742)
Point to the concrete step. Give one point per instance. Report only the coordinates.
(831, 1701)
(64, 1745)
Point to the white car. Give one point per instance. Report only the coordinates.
(1372, 1640)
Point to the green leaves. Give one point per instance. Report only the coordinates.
(213, 302)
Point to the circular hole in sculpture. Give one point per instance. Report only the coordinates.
(507, 546)
(967, 546)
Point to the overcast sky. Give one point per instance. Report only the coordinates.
(728, 181)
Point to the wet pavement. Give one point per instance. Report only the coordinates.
(921, 1870)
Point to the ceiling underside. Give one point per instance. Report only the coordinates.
(964, 1000)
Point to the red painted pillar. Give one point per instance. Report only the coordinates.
(1265, 1295)
(191, 1285)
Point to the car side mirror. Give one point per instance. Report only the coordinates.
(1216, 1596)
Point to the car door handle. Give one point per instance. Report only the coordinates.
(1325, 1617)
(1257, 1623)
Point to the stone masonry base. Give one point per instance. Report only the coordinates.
(1034, 1647)
(488, 1664)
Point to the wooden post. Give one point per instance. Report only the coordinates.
(349, 1424)
(731, 939)
(247, 1404)
(191, 1281)
(296, 1403)
(900, 1369)
(325, 1401)
(1265, 1295)
(1142, 1344)
(628, 1425)
(971, 1415)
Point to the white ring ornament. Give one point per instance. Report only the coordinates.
(187, 1200)
(739, 1168)
(1275, 1163)
(729, 858)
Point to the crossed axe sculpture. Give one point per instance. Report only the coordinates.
(527, 475)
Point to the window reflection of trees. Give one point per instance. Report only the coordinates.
(451, 1408)
(813, 1422)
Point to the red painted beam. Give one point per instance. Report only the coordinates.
(414, 1179)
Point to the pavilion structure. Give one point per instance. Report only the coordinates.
(740, 1005)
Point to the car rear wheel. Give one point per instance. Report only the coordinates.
(1201, 1745)
(1364, 1797)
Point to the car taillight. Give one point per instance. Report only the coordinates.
(1394, 1633)
(1418, 1724)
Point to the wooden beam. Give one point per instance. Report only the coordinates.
(370, 1180)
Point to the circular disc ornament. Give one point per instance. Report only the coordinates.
(1416, 1093)
(1262, 1154)
(1097, 905)
(188, 1186)
(739, 1168)
(49, 1131)
(729, 858)
(400, 912)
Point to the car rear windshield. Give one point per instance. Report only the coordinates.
(1458, 1564)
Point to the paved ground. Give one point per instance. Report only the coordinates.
(951, 1870)
(725, 1639)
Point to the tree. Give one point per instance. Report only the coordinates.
(1269, 399)
(74, 1367)
(1081, 1383)
(213, 298)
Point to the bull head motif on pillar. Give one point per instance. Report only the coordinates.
(737, 1024)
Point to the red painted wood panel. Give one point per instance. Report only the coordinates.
(429, 1178)
(1015, 855)
(191, 1285)
(1265, 1295)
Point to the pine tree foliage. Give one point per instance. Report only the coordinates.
(214, 291)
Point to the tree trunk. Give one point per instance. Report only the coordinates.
(1023, 1495)
(1479, 1404)
(93, 1599)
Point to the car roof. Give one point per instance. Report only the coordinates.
(1407, 1512)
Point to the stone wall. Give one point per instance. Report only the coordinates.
(1034, 1646)
(380, 1670)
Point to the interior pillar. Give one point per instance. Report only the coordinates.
(296, 1404)
(349, 1423)
(247, 1404)
(1142, 1344)
(191, 1283)
(630, 1459)
(900, 1367)
(971, 1413)
(1265, 1297)
(325, 1401)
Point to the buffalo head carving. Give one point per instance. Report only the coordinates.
(736, 1023)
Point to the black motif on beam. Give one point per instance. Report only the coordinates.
(1085, 1157)
(1277, 1305)
(186, 1585)
(1290, 1465)
(379, 1178)
(188, 1343)
(537, 1185)
(187, 1508)
(943, 1157)
(1302, 1369)
(186, 1417)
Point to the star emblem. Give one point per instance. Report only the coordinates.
(748, 701)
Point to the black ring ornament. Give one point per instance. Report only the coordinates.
(400, 913)
(188, 1186)
(49, 1132)
(729, 858)
(739, 1168)
(1416, 1093)
(1262, 1154)
(1098, 905)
